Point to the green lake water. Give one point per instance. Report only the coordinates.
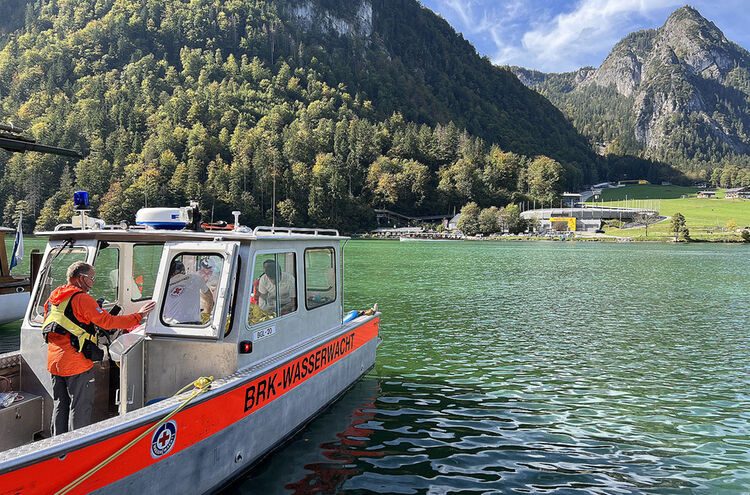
(536, 367)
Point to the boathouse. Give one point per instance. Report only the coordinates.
(453, 222)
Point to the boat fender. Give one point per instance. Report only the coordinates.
(350, 316)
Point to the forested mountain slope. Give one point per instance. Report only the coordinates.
(344, 105)
(679, 94)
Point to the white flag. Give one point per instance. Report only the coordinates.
(17, 255)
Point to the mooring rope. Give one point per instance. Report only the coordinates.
(201, 385)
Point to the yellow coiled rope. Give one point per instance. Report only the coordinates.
(201, 386)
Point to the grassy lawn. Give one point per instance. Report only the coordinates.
(646, 191)
(706, 218)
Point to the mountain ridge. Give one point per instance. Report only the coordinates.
(681, 91)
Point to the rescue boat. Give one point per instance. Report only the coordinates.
(211, 382)
(14, 290)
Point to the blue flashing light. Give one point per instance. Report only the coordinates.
(81, 201)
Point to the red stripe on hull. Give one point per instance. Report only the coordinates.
(193, 424)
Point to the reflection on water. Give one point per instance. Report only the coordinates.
(537, 367)
(320, 459)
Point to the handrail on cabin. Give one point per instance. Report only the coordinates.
(294, 230)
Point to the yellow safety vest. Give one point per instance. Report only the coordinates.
(61, 319)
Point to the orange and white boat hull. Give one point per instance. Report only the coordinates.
(213, 439)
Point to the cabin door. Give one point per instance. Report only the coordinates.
(193, 290)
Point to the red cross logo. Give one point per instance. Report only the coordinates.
(164, 438)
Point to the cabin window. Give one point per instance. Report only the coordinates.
(146, 259)
(191, 289)
(274, 291)
(320, 277)
(56, 276)
(107, 283)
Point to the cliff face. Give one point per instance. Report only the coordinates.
(312, 17)
(685, 84)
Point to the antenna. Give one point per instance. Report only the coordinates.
(273, 199)
(236, 215)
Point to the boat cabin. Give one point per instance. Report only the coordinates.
(224, 300)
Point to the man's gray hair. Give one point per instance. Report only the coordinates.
(77, 269)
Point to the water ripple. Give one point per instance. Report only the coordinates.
(554, 368)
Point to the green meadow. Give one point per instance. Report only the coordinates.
(647, 191)
(707, 219)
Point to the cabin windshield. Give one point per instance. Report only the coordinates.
(146, 259)
(55, 275)
(107, 264)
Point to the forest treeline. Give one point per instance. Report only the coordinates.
(231, 104)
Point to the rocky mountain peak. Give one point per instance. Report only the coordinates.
(680, 90)
(698, 43)
(686, 12)
(695, 42)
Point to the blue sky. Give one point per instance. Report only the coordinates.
(564, 35)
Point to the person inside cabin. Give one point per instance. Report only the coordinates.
(209, 275)
(256, 315)
(188, 296)
(267, 291)
(71, 316)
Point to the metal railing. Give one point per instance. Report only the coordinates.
(262, 229)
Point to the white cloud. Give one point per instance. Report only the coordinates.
(504, 53)
(594, 24)
(556, 36)
(463, 9)
(499, 24)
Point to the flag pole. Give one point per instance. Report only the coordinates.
(17, 255)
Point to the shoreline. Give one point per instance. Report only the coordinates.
(563, 238)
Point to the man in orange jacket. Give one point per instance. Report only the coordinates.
(71, 316)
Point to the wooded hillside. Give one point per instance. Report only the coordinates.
(345, 106)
